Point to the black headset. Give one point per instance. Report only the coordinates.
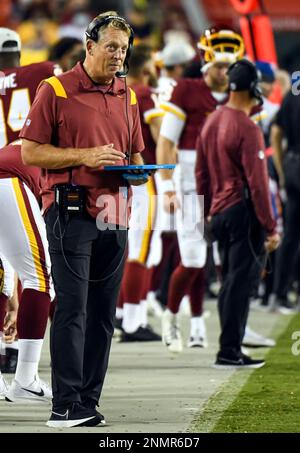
(92, 33)
(254, 89)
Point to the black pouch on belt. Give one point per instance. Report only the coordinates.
(70, 199)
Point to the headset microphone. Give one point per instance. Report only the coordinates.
(125, 70)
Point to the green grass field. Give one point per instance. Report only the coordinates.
(269, 400)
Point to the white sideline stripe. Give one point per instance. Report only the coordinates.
(228, 391)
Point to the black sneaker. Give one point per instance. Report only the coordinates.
(141, 334)
(243, 361)
(73, 415)
(92, 404)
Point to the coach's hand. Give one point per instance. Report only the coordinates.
(101, 155)
(137, 177)
(272, 242)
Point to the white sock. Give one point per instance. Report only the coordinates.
(119, 313)
(144, 317)
(185, 305)
(151, 295)
(28, 361)
(198, 326)
(131, 317)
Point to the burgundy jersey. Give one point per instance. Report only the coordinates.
(192, 101)
(148, 110)
(11, 166)
(17, 91)
(231, 157)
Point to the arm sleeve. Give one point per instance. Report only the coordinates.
(202, 176)
(41, 120)
(255, 169)
(174, 120)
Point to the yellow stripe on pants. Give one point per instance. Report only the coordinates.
(150, 221)
(30, 234)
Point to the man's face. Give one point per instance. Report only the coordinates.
(218, 74)
(109, 52)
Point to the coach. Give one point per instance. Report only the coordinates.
(231, 172)
(79, 122)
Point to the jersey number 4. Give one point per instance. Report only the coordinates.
(18, 110)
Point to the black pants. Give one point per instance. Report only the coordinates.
(287, 253)
(83, 323)
(240, 238)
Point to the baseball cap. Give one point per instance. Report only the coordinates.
(177, 53)
(9, 40)
(266, 70)
(241, 75)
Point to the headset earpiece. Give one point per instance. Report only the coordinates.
(92, 33)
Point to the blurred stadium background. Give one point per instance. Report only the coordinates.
(41, 22)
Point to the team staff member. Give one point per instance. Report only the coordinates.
(231, 173)
(80, 121)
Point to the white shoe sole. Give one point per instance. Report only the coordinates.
(67, 423)
(238, 367)
(266, 344)
(27, 400)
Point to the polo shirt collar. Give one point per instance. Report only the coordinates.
(116, 88)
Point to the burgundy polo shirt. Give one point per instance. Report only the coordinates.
(72, 111)
(230, 156)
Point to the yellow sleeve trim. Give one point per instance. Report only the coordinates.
(175, 112)
(133, 100)
(57, 87)
(150, 116)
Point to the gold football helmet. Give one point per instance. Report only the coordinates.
(221, 45)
